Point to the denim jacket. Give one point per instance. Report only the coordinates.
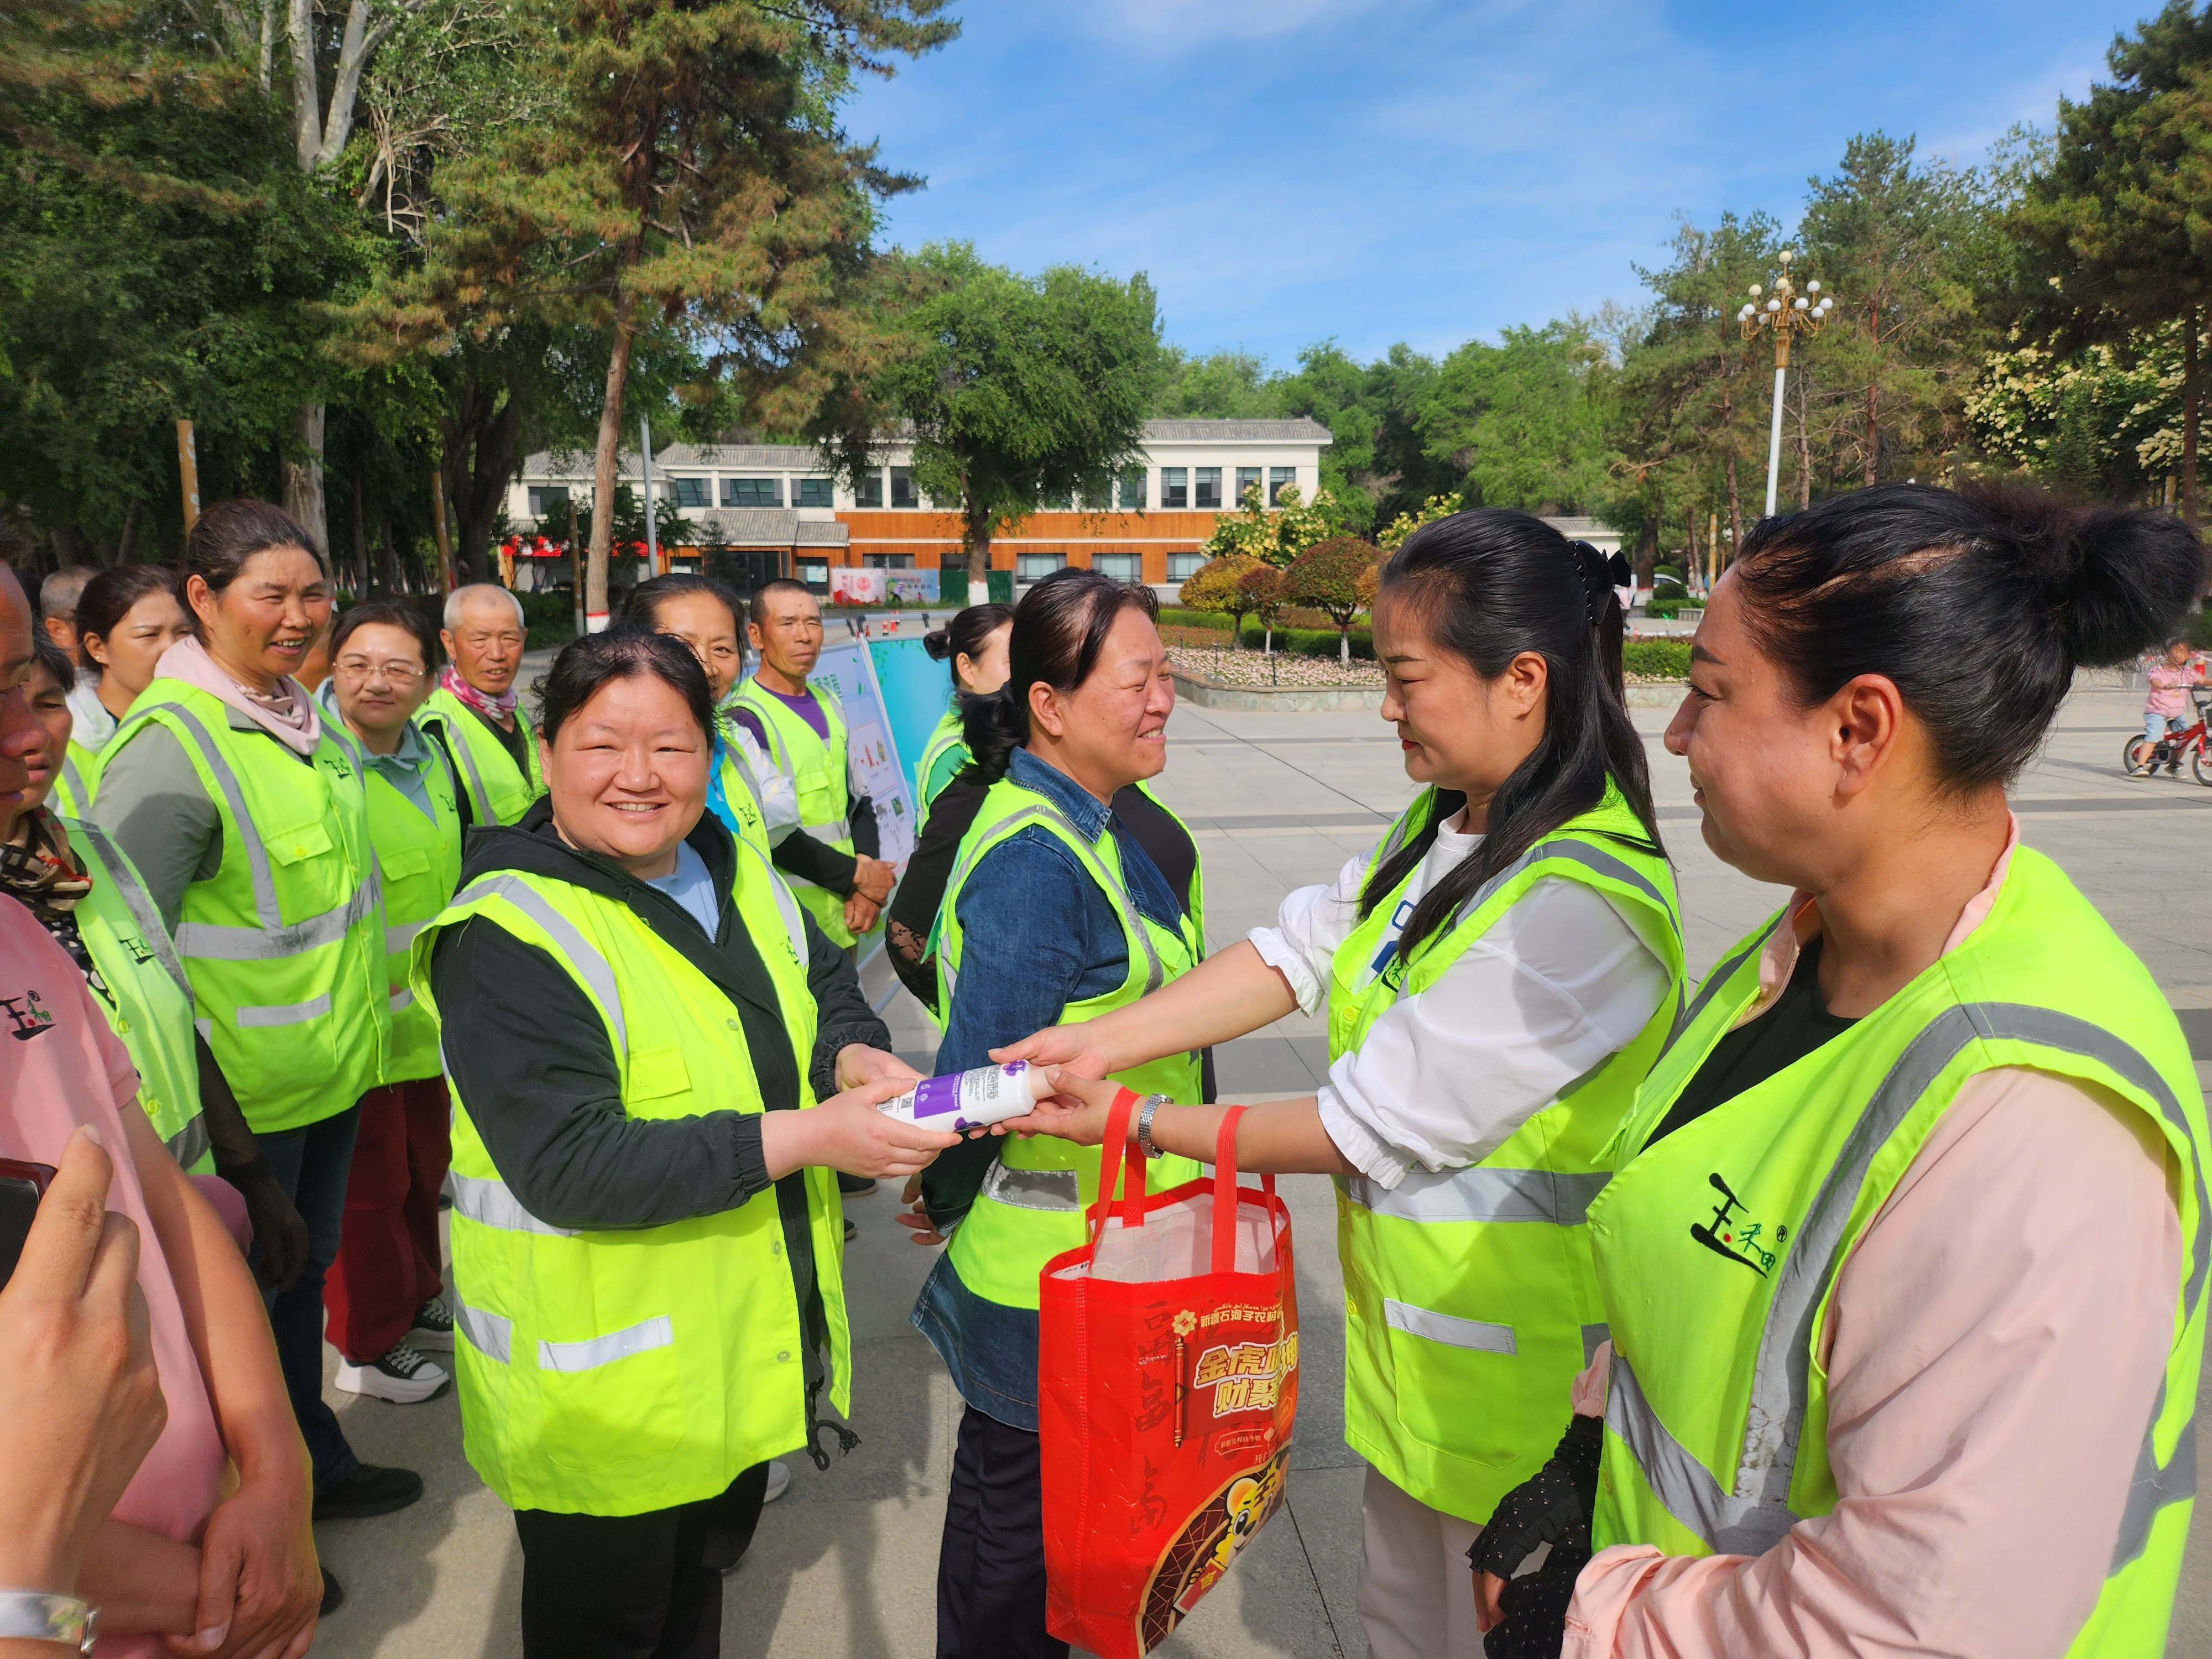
(1037, 934)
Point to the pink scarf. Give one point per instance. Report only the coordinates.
(501, 707)
(288, 714)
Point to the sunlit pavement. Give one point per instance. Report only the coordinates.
(846, 1563)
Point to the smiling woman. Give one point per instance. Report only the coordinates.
(638, 1020)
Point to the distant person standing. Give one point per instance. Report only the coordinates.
(57, 598)
(803, 729)
(385, 1292)
(475, 713)
(126, 617)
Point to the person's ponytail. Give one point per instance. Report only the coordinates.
(993, 726)
(1486, 585)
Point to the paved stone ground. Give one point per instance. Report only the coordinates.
(846, 1563)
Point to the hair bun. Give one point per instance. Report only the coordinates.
(938, 643)
(2118, 578)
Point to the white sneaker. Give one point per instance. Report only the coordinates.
(779, 1480)
(402, 1377)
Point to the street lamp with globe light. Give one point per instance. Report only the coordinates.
(1784, 313)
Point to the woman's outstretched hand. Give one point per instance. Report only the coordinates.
(1058, 1045)
(1077, 1112)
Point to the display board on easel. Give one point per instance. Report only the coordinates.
(847, 667)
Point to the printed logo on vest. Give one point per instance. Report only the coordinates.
(28, 1016)
(1739, 1237)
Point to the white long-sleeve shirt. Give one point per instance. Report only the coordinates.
(1559, 984)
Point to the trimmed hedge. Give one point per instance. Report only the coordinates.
(1658, 659)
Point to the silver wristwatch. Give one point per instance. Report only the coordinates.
(35, 1616)
(1151, 1103)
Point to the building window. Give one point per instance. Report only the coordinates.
(887, 561)
(902, 488)
(1035, 566)
(871, 492)
(1132, 490)
(1175, 491)
(1121, 566)
(692, 492)
(752, 492)
(1209, 489)
(1277, 477)
(810, 492)
(815, 572)
(547, 500)
(1248, 477)
(1181, 566)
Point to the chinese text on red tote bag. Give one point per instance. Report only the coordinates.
(1167, 1353)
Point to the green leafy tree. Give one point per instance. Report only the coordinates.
(1337, 578)
(2118, 235)
(1437, 507)
(1274, 534)
(1019, 392)
(1264, 592)
(688, 179)
(1218, 585)
(1521, 421)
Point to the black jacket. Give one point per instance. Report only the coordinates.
(530, 1055)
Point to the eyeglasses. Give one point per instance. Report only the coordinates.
(363, 671)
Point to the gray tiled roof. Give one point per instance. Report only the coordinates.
(738, 458)
(1301, 431)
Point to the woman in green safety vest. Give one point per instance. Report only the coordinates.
(1905, 1253)
(1075, 892)
(245, 814)
(126, 617)
(1496, 975)
(638, 1020)
(754, 800)
(385, 1292)
(974, 643)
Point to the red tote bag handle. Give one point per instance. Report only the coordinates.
(1132, 1166)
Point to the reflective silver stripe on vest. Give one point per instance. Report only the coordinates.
(1733, 1525)
(397, 938)
(480, 796)
(794, 918)
(1714, 980)
(1779, 1386)
(834, 829)
(489, 1202)
(1576, 851)
(1045, 812)
(580, 956)
(73, 780)
(596, 1351)
(1481, 1195)
(135, 899)
(283, 1013)
(1447, 1329)
(190, 1144)
(491, 1334)
(1033, 1189)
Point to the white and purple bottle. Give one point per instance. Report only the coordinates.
(972, 1100)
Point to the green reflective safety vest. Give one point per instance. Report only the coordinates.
(1718, 1248)
(1031, 1205)
(71, 795)
(741, 792)
(418, 856)
(284, 945)
(616, 1372)
(498, 791)
(944, 740)
(149, 1000)
(1470, 1300)
(816, 769)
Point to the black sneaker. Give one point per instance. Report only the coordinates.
(851, 1232)
(433, 1330)
(333, 1596)
(402, 1375)
(369, 1490)
(853, 1186)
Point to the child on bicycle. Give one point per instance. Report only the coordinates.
(2167, 707)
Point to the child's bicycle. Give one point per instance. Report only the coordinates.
(2141, 758)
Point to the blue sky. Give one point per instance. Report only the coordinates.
(1382, 170)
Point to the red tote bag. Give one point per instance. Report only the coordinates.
(1167, 1383)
